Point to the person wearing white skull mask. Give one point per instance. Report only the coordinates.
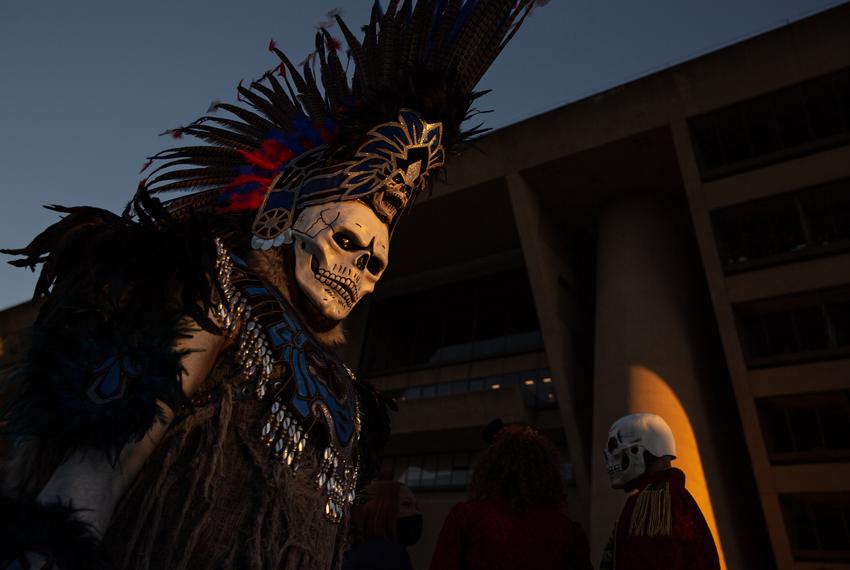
(341, 251)
(182, 398)
(660, 525)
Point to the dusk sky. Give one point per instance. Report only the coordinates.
(88, 84)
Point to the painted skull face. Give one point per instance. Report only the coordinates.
(341, 250)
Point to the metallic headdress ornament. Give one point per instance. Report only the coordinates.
(389, 169)
(375, 135)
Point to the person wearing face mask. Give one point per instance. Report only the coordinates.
(516, 516)
(383, 528)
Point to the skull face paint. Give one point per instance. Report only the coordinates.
(628, 438)
(341, 250)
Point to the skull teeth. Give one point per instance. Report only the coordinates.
(346, 288)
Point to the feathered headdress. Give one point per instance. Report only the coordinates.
(376, 134)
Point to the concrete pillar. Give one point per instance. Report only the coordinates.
(649, 354)
(547, 264)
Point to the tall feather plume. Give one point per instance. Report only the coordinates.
(312, 98)
(417, 30)
(361, 79)
(335, 73)
(442, 44)
(486, 55)
(424, 54)
(387, 43)
(525, 7)
(478, 37)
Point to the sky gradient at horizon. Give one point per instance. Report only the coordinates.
(88, 85)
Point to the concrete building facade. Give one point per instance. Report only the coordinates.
(677, 245)
(684, 242)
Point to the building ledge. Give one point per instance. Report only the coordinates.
(812, 478)
(801, 378)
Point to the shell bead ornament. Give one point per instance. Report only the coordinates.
(341, 250)
(628, 438)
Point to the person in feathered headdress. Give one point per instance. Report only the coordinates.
(180, 406)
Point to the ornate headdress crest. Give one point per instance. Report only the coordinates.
(377, 136)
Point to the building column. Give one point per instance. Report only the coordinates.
(548, 268)
(650, 353)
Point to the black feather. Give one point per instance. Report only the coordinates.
(118, 294)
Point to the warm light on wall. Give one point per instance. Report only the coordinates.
(495, 386)
(547, 380)
(528, 382)
(651, 393)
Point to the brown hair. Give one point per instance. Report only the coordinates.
(378, 515)
(521, 467)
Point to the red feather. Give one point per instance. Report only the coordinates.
(272, 44)
(145, 167)
(333, 43)
(270, 156)
(281, 69)
(248, 201)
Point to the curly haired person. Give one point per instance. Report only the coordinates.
(517, 513)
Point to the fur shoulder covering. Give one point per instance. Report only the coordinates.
(374, 430)
(117, 293)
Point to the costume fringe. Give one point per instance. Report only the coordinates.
(652, 515)
(211, 435)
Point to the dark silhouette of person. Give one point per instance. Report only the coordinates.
(383, 527)
(517, 513)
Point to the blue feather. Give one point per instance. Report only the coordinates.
(462, 17)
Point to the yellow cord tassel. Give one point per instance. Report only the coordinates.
(653, 514)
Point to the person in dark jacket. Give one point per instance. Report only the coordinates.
(516, 517)
(384, 526)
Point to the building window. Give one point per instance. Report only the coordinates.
(435, 471)
(537, 387)
(797, 120)
(485, 317)
(443, 471)
(818, 525)
(781, 229)
(806, 428)
(797, 328)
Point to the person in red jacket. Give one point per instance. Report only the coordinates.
(660, 526)
(516, 517)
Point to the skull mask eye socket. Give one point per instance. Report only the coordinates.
(346, 241)
(349, 242)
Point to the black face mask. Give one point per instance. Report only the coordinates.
(409, 529)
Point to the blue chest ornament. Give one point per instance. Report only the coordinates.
(311, 393)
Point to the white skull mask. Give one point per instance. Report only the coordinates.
(628, 438)
(341, 250)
